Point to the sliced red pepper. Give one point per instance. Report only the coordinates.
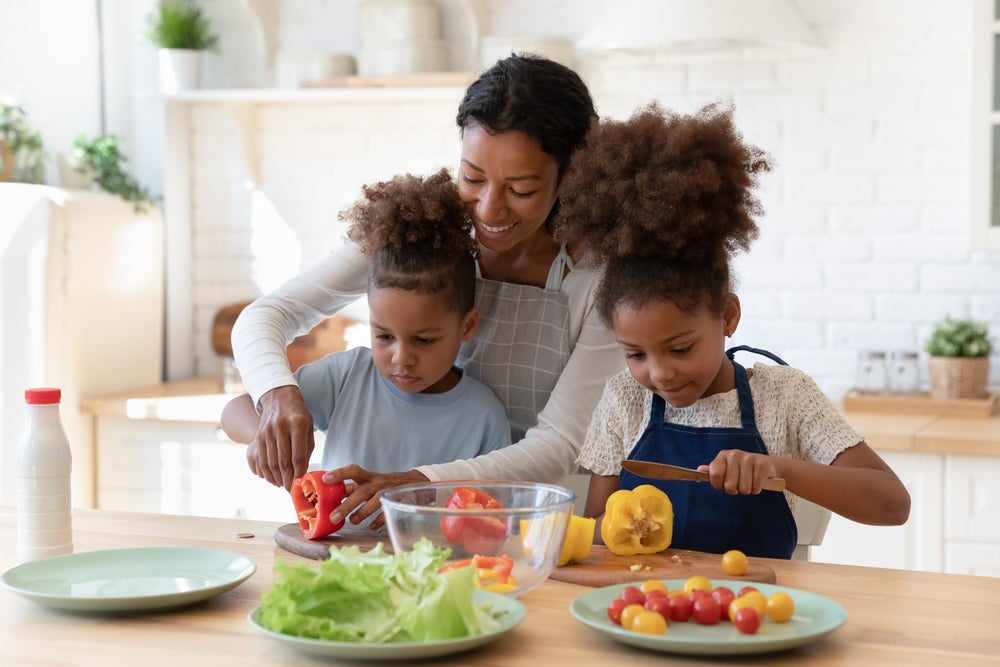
(314, 501)
(482, 535)
(488, 568)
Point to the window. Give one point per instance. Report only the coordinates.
(985, 171)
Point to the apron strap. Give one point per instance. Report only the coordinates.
(748, 419)
(756, 350)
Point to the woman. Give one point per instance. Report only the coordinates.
(541, 347)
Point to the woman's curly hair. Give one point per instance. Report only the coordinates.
(418, 236)
(664, 199)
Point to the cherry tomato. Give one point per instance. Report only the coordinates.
(735, 562)
(615, 610)
(652, 585)
(758, 600)
(632, 595)
(697, 583)
(681, 608)
(658, 602)
(650, 623)
(740, 602)
(780, 607)
(629, 614)
(723, 595)
(747, 620)
(706, 610)
(745, 590)
(699, 593)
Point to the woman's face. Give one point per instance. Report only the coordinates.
(509, 185)
(415, 338)
(676, 355)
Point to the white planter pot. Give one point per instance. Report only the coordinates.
(69, 177)
(180, 69)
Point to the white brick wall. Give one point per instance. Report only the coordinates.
(865, 240)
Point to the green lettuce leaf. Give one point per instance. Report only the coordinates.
(375, 597)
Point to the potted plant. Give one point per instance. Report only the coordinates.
(22, 154)
(182, 32)
(102, 160)
(959, 358)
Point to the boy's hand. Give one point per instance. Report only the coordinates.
(740, 472)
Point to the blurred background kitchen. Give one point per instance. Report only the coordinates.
(879, 219)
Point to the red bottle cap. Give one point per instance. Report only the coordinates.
(42, 396)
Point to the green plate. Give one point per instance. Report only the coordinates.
(139, 579)
(815, 616)
(511, 612)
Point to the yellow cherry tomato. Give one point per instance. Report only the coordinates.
(653, 585)
(735, 562)
(780, 607)
(758, 600)
(629, 614)
(649, 623)
(699, 583)
(739, 603)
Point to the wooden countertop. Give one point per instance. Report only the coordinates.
(201, 400)
(895, 617)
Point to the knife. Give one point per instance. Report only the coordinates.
(664, 471)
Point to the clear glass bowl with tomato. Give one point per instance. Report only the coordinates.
(511, 533)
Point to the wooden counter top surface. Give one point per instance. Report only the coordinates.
(895, 617)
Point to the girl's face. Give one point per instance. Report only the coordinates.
(415, 338)
(509, 185)
(676, 355)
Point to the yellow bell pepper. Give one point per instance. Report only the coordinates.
(640, 521)
(579, 538)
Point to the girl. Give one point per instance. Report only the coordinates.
(666, 199)
(402, 403)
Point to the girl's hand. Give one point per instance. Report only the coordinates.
(740, 472)
(363, 489)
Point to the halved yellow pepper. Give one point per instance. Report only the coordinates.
(638, 521)
(579, 538)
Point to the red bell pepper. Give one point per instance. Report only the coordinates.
(314, 500)
(477, 535)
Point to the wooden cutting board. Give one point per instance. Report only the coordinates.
(290, 538)
(603, 568)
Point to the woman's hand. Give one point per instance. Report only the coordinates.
(284, 442)
(363, 491)
(740, 472)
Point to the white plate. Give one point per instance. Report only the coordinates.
(510, 610)
(815, 616)
(138, 579)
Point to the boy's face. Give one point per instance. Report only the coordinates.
(415, 338)
(676, 355)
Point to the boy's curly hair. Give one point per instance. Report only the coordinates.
(664, 199)
(418, 236)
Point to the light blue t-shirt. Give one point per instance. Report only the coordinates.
(368, 421)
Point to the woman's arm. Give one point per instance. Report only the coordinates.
(281, 449)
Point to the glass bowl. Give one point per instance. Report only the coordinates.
(523, 536)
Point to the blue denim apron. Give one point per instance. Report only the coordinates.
(707, 519)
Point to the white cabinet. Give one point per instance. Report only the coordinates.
(954, 523)
(180, 467)
(916, 545)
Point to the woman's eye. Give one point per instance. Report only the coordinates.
(470, 180)
(522, 195)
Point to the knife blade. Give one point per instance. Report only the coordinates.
(664, 471)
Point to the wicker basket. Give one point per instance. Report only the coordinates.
(958, 377)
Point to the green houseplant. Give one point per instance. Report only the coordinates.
(181, 31)
(102, 159)
(22, 153)
(959, 358)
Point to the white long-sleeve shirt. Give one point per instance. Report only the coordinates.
(548, 450)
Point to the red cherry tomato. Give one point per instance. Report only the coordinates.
(681, 608)
(698, 593)
(723, 595)
(632, 595)
(615, 610)
(745, 590)
(747, 620)
(658, 603)
(706, 610)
